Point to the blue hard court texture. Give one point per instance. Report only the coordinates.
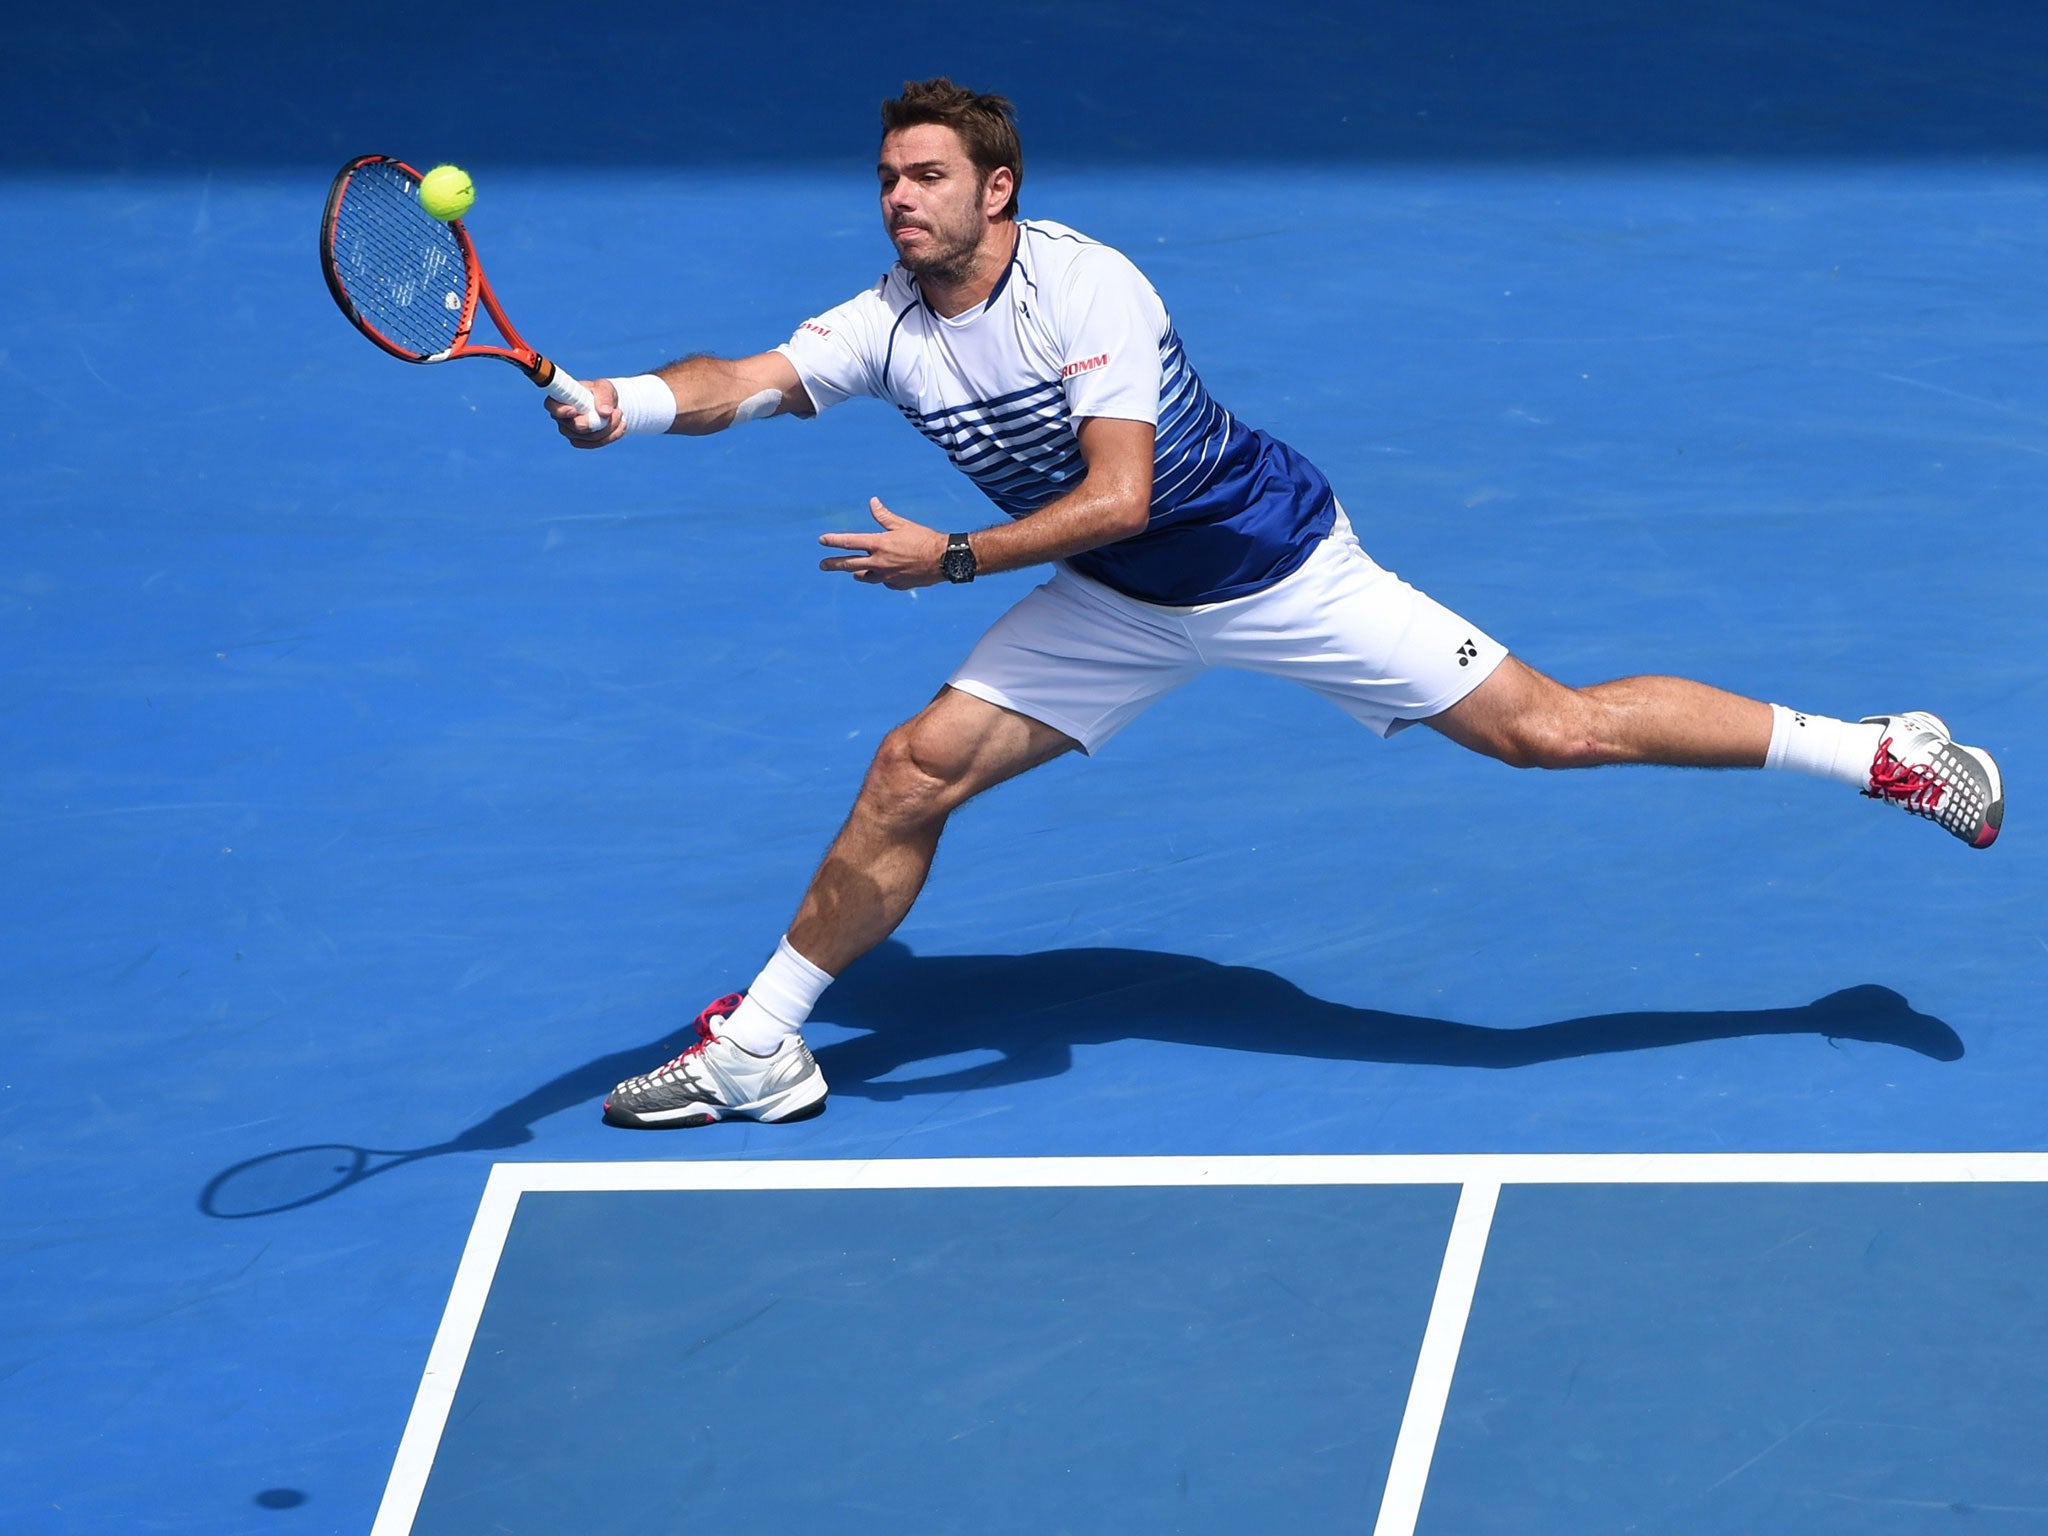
(1029, 1361)
(1702, 1360)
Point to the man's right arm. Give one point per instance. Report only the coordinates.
(710, 394)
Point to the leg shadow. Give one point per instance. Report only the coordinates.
(1017, 1018)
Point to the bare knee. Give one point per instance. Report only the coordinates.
(1528, 720)
(956, 747)
(911, 782)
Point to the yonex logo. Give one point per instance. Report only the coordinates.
(1466, 652)
(1084, 365)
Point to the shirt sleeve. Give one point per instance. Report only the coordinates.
(1112, 325)
(839, 354)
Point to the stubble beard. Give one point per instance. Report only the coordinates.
(949, 254)
(951, 262)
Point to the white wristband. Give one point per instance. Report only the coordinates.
(646, 403)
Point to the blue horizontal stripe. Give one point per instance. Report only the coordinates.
(1019, 445)
(1053, 438)
(1020, 450)
(1006, 472)
(1034, 489)
(1001, 427)
(1016, 477)
(995, 404)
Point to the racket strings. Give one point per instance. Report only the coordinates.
(401, 267)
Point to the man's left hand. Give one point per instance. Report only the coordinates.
(901, 556)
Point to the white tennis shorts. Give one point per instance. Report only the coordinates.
(1086, 660)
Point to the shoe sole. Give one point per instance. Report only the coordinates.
(1994, 813)
(1994, 809)
(792, 1104)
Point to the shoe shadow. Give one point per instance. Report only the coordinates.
(924, 1014)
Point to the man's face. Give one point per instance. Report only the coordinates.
(933, 205)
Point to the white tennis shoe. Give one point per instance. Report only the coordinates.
(1920, 768)
(716, 1080)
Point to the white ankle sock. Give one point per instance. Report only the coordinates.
(778, 1004)
(1825, 748)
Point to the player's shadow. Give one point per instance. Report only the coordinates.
(934, 1022)
(925, 1013)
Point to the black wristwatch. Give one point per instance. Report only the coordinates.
(957, 563)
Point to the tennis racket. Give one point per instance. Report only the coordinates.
(412, 283)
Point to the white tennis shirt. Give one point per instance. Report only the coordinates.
(1072, 331)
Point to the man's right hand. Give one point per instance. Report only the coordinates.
(566, 418)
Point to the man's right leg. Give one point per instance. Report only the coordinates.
(958, 746)
(750, 1061)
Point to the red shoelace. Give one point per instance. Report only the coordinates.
(1890, 779)
(721, 1009)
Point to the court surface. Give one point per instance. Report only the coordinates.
(1081, 1344)
(384, 781)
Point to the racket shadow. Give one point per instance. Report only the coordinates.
(935, 1022)
(294, 1177)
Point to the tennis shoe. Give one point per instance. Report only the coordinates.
(717, 1080)
(1920, 768)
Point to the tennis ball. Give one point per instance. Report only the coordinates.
(446, 192)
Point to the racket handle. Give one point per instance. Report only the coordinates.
(567, 390)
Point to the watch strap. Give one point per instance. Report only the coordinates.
(958, 563)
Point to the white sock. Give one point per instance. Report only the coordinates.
(778, 1004)
(1825, 748)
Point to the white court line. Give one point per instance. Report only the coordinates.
(1446, 1168)
(1437, 1361)
(1485, 1172)
(422, 1438)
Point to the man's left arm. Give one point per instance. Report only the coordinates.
(1112, 502)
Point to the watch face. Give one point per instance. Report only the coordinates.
(957, 564)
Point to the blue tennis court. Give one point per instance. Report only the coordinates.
(384, 782)
(1680, 1343)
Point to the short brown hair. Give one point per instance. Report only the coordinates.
(987, 126)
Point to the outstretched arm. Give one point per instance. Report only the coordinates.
(1112, 502)
(711, 394)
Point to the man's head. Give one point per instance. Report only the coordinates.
(950, 167)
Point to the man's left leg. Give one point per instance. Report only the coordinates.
(1528, 720)
(1531, 721)
(1391, 656)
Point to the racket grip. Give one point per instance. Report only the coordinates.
(567, 390)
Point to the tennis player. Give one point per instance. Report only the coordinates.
(1045, 366)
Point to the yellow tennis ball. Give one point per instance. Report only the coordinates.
(446, 192)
